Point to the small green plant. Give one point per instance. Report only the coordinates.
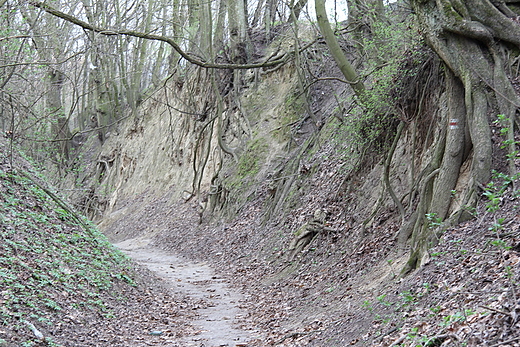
(426, 287)
(457, 317)
(368, 305)
(52, 304)
(472, 210)
(495, 189)
(498, 225)
(407, 297)
(417, 340)
(494, 199)
(500, 244)
(504, 124)
(382, 300)
(435, 309)
(433, 220)
(50, 342)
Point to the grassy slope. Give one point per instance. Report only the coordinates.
(60, 276)
(47, 257)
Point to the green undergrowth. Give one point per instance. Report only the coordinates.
(249, 164)
(293, 110)
(52, 261)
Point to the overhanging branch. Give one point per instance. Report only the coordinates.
(111, 32)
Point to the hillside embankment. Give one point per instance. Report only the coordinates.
(63, 284)
(338, 292)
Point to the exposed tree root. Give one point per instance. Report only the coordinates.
(307, 233)
(478, 31)
(386, 174)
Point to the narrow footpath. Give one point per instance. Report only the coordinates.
(221, 320)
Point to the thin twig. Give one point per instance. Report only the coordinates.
(496, 310)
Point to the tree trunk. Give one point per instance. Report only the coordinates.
(237, 31)
(362, 14)
(470, 37)
(50, 50)
(60, 124)
(335, 49)
(297, 7)
(454, 149)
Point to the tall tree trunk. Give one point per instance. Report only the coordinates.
(141, 55)
(60, 125)
(50, 50)
(176, 18)
(237, 31)
(296, 7)
(218, 35)
(269, 16)
(335, 49)
(362, 16)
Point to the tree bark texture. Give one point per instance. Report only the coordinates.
(473, 39)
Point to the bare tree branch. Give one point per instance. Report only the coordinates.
(46, 63)
(111, 32)
(15, 37)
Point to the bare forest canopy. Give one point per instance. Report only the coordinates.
(438, 77)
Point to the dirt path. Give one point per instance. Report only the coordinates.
(217, 304)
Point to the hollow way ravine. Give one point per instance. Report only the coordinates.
(220, 304)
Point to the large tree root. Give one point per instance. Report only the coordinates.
(470, 42)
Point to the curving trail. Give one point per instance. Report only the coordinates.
(217, 305)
